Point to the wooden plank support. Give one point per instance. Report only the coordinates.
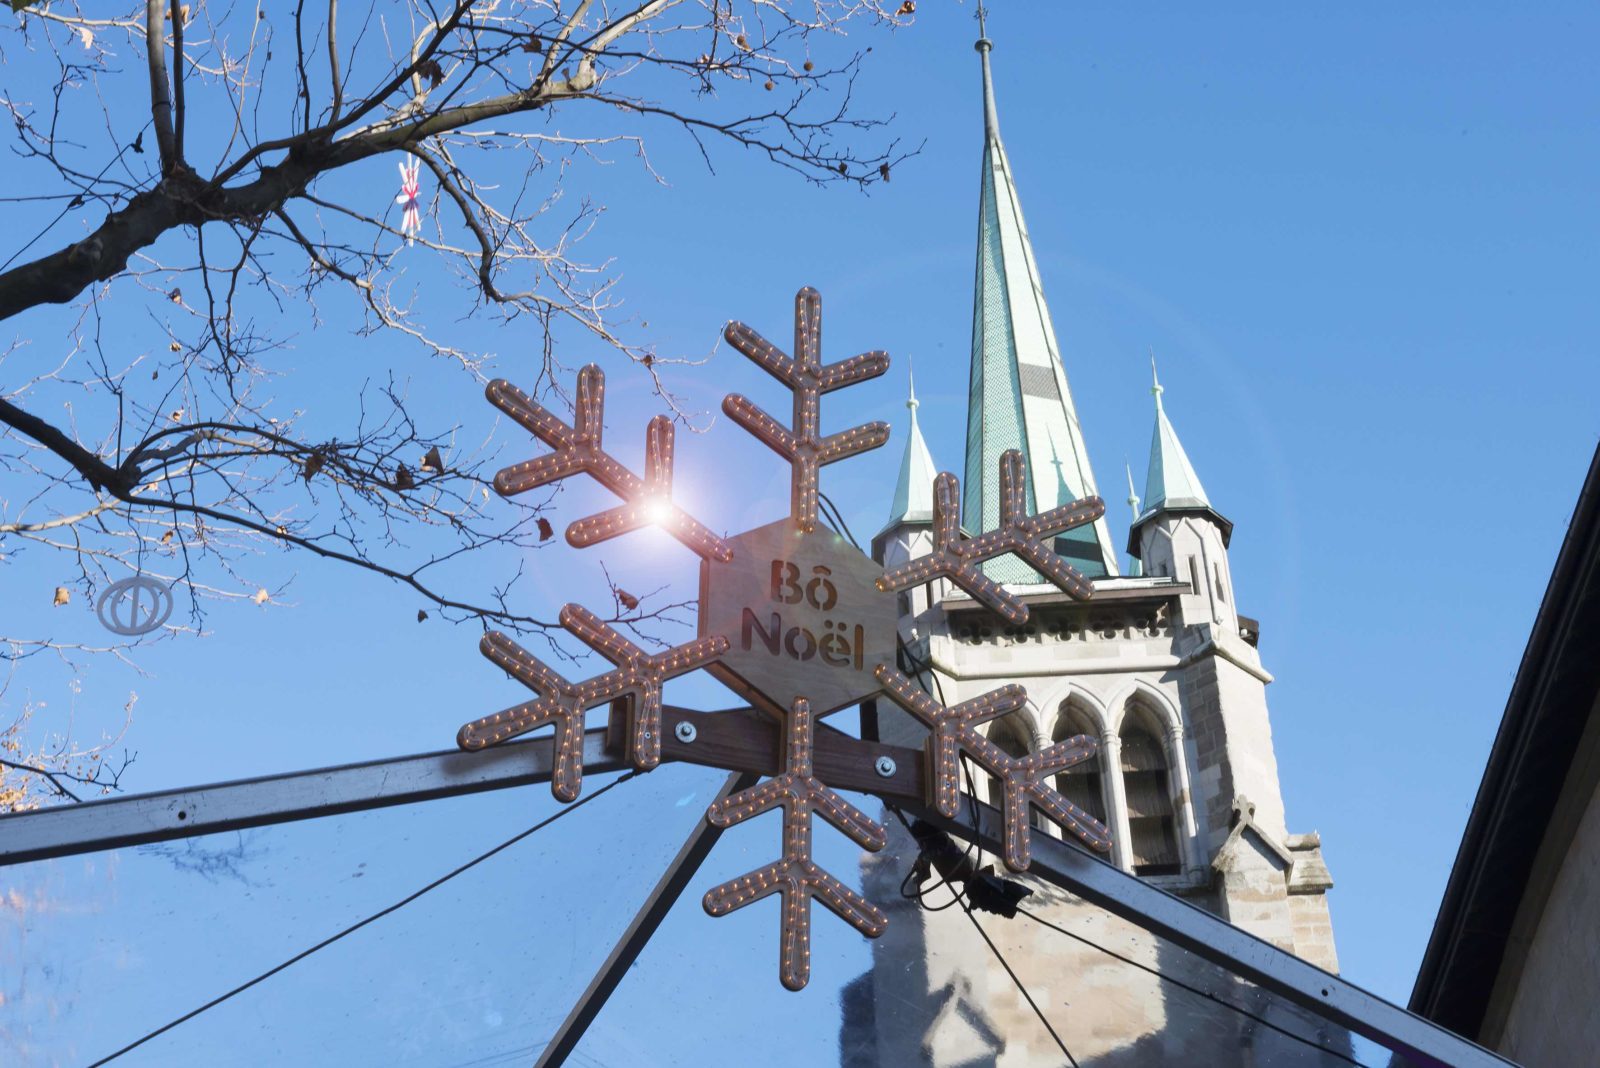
(744, 740)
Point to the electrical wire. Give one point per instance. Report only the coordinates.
(960, 898)
(380, 914)
(836, 520)
(1023, 990)
(921, 667)
(1319, 1047)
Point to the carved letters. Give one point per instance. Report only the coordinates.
(801, 616)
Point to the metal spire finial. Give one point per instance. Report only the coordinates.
(1133, 494)
(1155, 380)
(991, 119)
(911, 388)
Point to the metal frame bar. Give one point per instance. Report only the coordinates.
(640, 930)
(116, 822)
(748, 744)
(1239, 952)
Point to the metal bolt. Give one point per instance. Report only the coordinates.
(884, 766)
(685, 731)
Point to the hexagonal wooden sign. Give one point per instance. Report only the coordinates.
(801, 615)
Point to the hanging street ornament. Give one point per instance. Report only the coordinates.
(134, 606)
(793, 618)
(410, 200)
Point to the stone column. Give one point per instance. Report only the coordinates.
(1188, 834)
(1116, 800)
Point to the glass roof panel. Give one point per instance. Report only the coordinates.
(103, 948)
(931, 991)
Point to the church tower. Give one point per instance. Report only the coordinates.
(1159, 667)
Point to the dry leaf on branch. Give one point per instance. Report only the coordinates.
(175, 295)
(403, 479)
(546, 532)
(883, 171)
(166, 537)
(907, 7)
(626, 599)
(433, 462)
(314, 463)
(431, 70)
(261, 596)
(63, 595)
(421, 615)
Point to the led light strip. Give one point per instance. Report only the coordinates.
(579, 451)
(958, 559)
(796, 876)
(638, 678)
(802, 442)
(1023, 780)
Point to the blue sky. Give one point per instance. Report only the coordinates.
(1363, 246)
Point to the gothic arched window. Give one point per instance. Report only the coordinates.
(1147, 784)
(1082, 784)
(1011, 734)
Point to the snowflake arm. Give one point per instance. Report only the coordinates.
(802, 442)
(1024, 781)
(638, 677)
(579, 449)
(558, 703)
(958, 559)
(796, 876)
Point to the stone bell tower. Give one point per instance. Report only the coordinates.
(1159, 667)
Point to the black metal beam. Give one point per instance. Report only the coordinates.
(645, 921)
(117, 822)
(750, 743)
(1281, 974)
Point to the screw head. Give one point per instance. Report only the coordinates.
(685, 731)
(884, 766)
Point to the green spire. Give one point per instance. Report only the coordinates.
(1018, 396)
(1171, 482)
(913, 492)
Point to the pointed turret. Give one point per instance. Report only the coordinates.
(1135, 568)
(1019, 397)
(913, 492)
(1179, 533)
(908, 532)
(1171, 482)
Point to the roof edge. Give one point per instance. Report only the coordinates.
(1522, 783)
(1224, 524)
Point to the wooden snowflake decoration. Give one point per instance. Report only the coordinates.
(637, 678)
(579, 450)
(1024, 780)
(795, 875)
(803, 443)
(800, 605)
(957, 557)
